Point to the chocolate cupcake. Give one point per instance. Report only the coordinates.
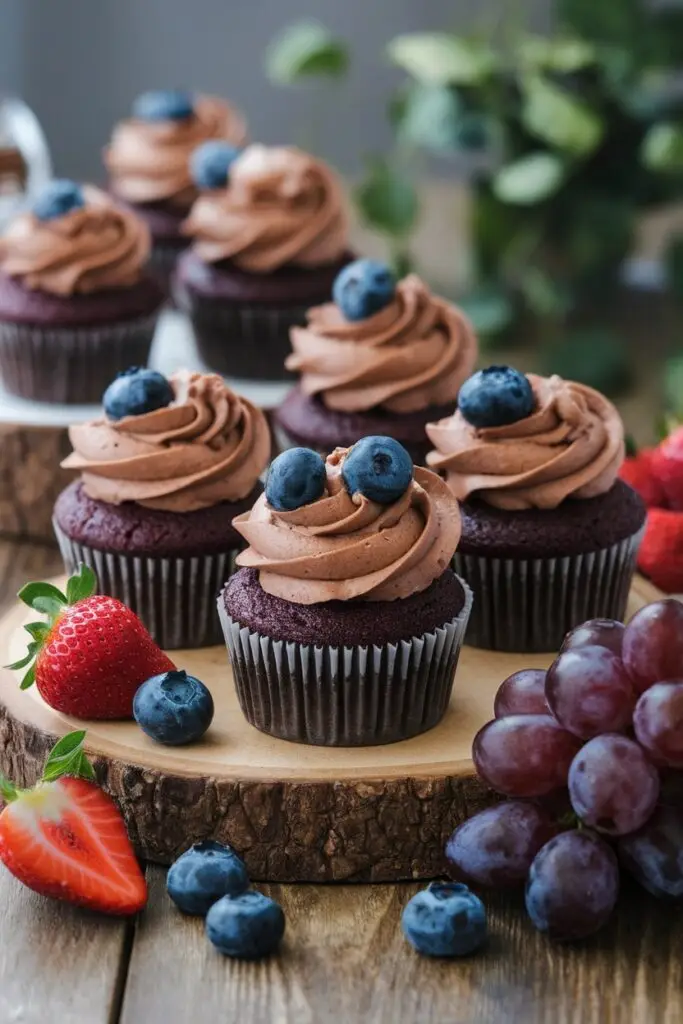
(148, 160)
(76, 306)
(163, 473)
(550, 535)
(266, 248)
(344, 624)
(383, 358)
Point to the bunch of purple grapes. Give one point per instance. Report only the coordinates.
(590, 753)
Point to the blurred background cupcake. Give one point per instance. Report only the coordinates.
(383, 358)
(76, 304)
(550, 534)
(265, 248)
(162, 474)
(148, 161)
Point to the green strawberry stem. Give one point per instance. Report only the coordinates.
(67, 757)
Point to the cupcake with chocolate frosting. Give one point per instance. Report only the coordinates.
(266, 244)
(76, 305)
(374, 363)
(162, 475)
(345, 622)
(550, 534)
(148, 161)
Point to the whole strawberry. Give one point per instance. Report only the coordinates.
(91, 655)
(667, 468)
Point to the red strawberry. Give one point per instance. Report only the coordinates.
(66, 839)
(661, 553)
(92, 654)
(638, 472)
(667, 467)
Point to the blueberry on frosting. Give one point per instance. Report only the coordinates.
(496, 397)
(295, 478)
(363, 288)
(378, 468)
(59, 197)
(136, 391)
(210, 163)
(164, 105)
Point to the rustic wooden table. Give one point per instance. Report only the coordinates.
(344, 958)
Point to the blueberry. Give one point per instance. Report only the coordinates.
(248, 926)
(379, 468)
(163, 105)
(363, 288)
(59, 197)
(495, 397)
(210, 163)
(203, 874)
(445, 919)
(136, 391)
(295, 478)
(173, 708)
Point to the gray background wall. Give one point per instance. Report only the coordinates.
(79, 63)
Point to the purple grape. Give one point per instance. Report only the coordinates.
(653, 644)
(589, 692)
(607, 633)
(524, 755)
(658, 723)
(573, 885)
(496, 847)
(522, 693)
(654, 854)
(612, 785)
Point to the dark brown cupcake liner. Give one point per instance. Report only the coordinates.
(345, 696)
(174, 597)
(71, 365)
(529, 605)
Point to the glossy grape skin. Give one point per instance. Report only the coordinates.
(522, 693)
(524, 755)
(496, 847)
(573, 886)
(654, 854)
(612, 785)
(658, 723)
(653, 644)
(606, 633)
(589, 692)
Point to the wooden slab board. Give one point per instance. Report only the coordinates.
(295, 813)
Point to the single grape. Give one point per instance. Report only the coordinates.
(573, 885)
(612, 785)
(653, 644)
(524, 755)
(496, 847)
(658, 723)
(606, 633)
(589, 692)
(522, 693)
(654, 854)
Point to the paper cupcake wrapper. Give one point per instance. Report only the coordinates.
(529, 605)
(174, 597)
(71, 365)
(345, 696)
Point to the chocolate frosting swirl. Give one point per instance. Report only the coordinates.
(344, 547)
(571, 446)
(281, 207)
(149, 161)
(414, 353)
(208, 446)
(92, 249)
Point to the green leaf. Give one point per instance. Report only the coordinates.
(662, 148)
(673, 385)
(38, 630)
(673, 262)
(29, 679)
(430, 117)
(531, 179)
(8, 791)
(68, 758)
(305, 50)
(387, 200)
(82, 585)
(544, 296)
(31, 652)
(558, 118)
(488, 308)
(593, 356)
(562, 54)
(42, 597)
(438, 58)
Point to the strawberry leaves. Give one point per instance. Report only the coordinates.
(67, 757)
(81, 586)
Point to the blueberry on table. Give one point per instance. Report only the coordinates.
(445, 919)
(496, 397)
(173, 708)
(295, 478)
(203, 874)
(210, 163)
(58, 198)
(248, 927)
(363, 288)
(136, 391)
(378, 468)
(163, 105)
